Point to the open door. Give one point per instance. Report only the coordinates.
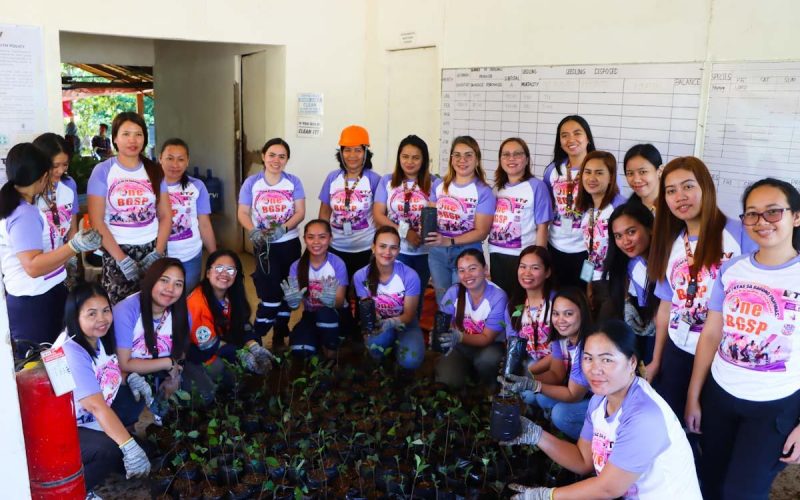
(253, 117)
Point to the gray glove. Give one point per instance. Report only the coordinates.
(263, 358)
(149, 259)
(517, 383)
(130, 269)
(85, 241)
(391, 323)
(248, 360)
(277, 233)
(634, 320)
(328, 294)
(258, 236)
(530, 492)
(291, 292)
(449, 340)
(529, 433)
(135, 459)
(140, 388)
(72, 265)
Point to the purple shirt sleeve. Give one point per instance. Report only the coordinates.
(410, 279)
(618, 200)
(325, 191)
(293, 268)
(641, 435)
(246, 191)
(359, 278)
(374, 179)
(576, 373)
(498, 302)
(548, 171)
(25, 227)
(339, 268)
(587, 432)
(82, 368)
(98, 181)
(487, 201)
(381, 194)
(542, 206)
(70, 183)
(555, 350)
(448, 304)
(435, 184)
(717, 289)
(126, 313)
(299, 193)
(203, 199)
(663, 291)
(509, 327)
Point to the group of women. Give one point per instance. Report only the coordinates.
(610, 295)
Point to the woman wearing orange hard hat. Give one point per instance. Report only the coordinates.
(346, 201)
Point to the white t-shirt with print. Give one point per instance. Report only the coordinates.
(187, 203)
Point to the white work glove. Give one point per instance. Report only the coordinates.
(328, 294)
(449, 340)
(135, 459)
(517, 383)
(530, 492)
(292, 293)
(262, 357)
(85, 241)
(529, 433)
(276, 234)
(140, 388)
(258, 237)
(130, 269)
(148, 259)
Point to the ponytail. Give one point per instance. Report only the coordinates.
(373, 276)
(302, 269)
(9, 199)
(25, 165)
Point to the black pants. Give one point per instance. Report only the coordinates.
(567, 267)
(672, 381)
(271, 269)
(100, 456)
(503, 269)
(742, 442)
(36, 318)
(349, 322)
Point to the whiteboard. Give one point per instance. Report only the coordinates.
(625, 104)
(752, 127)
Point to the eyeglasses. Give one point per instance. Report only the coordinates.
(272, 156)
(771, 215)
(507, 155)
(459, 156)
(227, 269)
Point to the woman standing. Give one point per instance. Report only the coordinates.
(691, 239)
(522, 213)
(346, 201)
(573, 141)
(272, 204)
(191, 206)
(642, 167)
(399, 202)
(464, 209)
(750, 404)
(59, 201)
(32, 260)
(129, 205)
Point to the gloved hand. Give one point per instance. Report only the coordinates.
(391, 323)
(529, 433)
(634, 320)
(149, 259)
(530, 492)
(135, 459)
(328, 294)
(277, 233)
(292, 293)
(248, 360)
(517, 383)
(449, 340)
(130, 269)
(263, 358)
(140, 388)
(85, 241)
(258, 237)
(72, 265)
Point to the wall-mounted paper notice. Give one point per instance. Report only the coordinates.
(310, 103)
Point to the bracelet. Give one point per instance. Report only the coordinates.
(552, 493)
(126, 442)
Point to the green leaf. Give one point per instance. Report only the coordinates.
(517, 312)
(213, 423)
(193, 434)
(272, 461)
(392, 431)
(417, 442)
(183, 395)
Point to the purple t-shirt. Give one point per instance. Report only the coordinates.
(456, 209)
(355, 216)
(333, 266)
(391, 295)
(519, 209)
(270, 204)
(489, 313)
(129, 331)
(92, 376)
(395, 197)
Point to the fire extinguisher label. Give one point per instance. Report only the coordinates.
(55, 362)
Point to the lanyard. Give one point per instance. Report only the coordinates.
(592, 220)
(407, 193)
(161, 322)
(534, 320)
(691, 290)
(570, 188)
(348, 191)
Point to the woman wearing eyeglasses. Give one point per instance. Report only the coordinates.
(220, 328)
(272, 204)
(522, 213)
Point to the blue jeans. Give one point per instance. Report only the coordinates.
(409, 347)
(418, 263)
(442, 264)
(193, 270)
(567, 417)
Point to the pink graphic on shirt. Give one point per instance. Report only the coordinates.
(389, 305)
(109, 377)
(473, 327)
(416, 202)
(163, 345)
(58, 232)
(357, 214)
(454, 215)
(597, 254)
(181, 203)
(564, 213)
(506, 226)
(312, 302)
(601, 450)
(273, 207)
(132, 203)
(679, 277)
(758, 323)
(537, 344)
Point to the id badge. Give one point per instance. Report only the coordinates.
(347, 227)
(682, 332)
(587, 271)
(55, 363)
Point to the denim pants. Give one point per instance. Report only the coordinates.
(193, 270)
(407, 343)
(567, 417)
(442, 264)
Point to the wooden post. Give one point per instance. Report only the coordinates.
(140, 103)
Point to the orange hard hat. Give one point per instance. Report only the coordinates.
(354, 135)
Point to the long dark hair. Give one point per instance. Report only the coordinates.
(577, 297)
(52, 145)
(305, 258)
(462, 290)
(616, 264)
(25, 165)
(72, 309)
(792, 197)
(559, 155)
(154, 172)
(500, 175)
(373, 274)
(176, 141)
(229, 331)
(518, 294)
(646, 151)
(424, 174)
(178, 310)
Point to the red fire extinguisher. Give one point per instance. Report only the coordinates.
(51, 438)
